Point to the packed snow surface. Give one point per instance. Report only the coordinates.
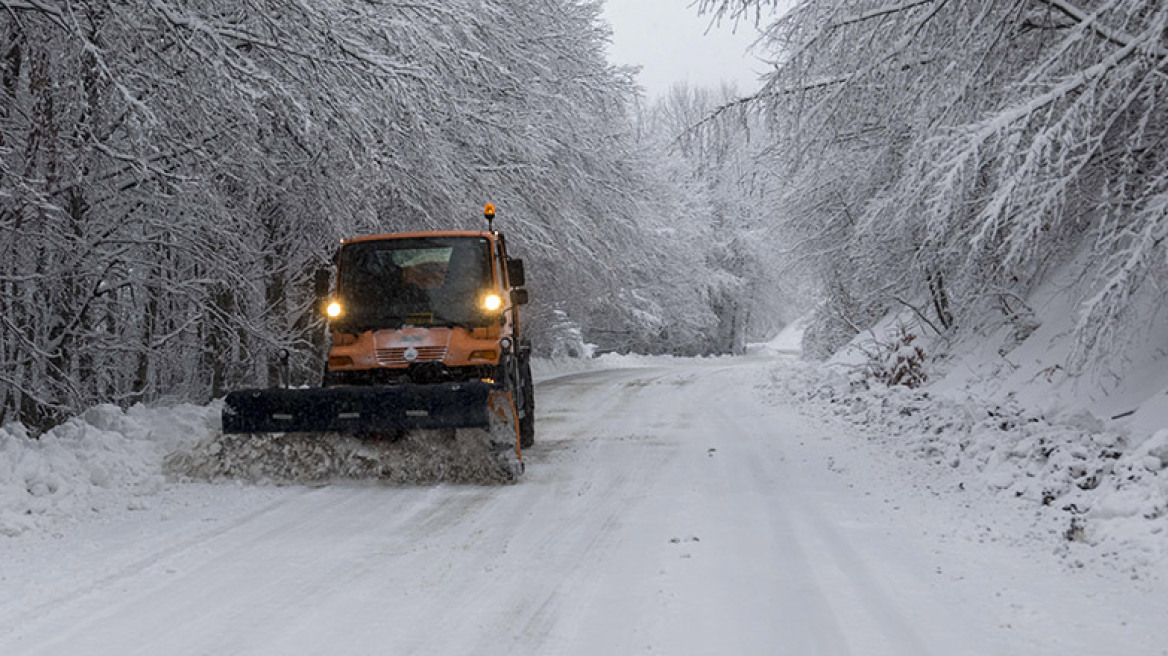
(670, 506)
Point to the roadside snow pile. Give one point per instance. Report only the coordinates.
(106, 459)
(1107, 488)
(468, 457)
(545, 368)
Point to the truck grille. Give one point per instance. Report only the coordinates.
(397, 356)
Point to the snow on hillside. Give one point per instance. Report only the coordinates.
(1096, 492)
(1034, 360)
(1086, 450)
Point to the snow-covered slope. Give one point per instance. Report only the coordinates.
(1085, 445)
(1037, 365)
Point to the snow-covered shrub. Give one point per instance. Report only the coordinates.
(563, 338)
(826, 333)
(899, 361)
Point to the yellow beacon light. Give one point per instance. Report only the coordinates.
(489, 212)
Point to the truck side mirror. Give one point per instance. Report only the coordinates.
(515, 273)
(320, 286)
(519, 297)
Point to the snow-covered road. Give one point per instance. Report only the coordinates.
(666, 510)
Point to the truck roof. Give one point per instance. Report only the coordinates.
(421, 233)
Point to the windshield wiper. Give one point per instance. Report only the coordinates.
(364, 323)
(440, 320)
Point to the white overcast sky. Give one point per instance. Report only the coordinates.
(672, 43)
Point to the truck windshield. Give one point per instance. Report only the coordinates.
(419, 281)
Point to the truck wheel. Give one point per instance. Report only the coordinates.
(527, 432)
(527, 422)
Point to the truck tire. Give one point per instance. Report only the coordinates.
(527, 422)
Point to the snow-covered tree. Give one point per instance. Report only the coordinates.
(172, 174)
(943, 156)
(709, 209)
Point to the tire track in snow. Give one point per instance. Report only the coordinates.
(858, 584)
(799, 586)
(582, 549)
(549, 561)
(807, 612)
(41, 610)
(730, 576)
(248, 552)
(843, 588)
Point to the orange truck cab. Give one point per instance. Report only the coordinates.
(424, 307)
(426, 334)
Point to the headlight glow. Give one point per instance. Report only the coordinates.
(333, 309)
(492, 302)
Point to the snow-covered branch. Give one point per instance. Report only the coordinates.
(1116, 37)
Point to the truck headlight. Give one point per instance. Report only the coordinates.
(492, 302)
(333, 310)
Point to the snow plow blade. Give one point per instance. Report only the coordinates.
(465, 433)
(358, 410)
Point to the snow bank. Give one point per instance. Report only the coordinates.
(103, 460)
(1005, 405)
(1105, 486)
(545, 368)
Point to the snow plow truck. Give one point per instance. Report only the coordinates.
(428, 376)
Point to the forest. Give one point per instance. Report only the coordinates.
(944, 158)
(172, 173)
